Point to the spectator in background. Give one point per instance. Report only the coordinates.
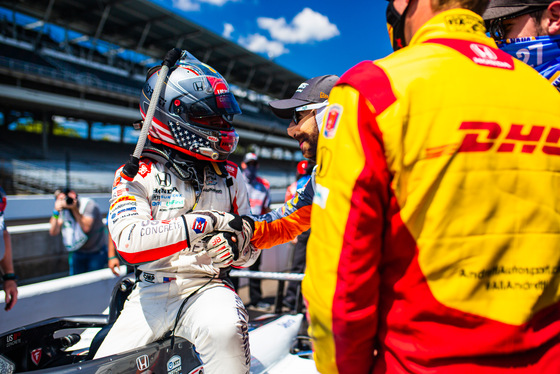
(259, 199)
(530, 31)
(6, 262)
(412, 266)
(304, 171)
(83, 233)
(303, 174)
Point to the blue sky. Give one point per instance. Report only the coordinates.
(308, 37)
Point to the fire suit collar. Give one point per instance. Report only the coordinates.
(454, 23)
(184, 168)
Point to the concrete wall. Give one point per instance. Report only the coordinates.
(33, 207)
(37, 255)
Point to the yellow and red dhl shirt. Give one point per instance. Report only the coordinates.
(436, 219)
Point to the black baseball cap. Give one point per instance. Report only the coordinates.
(314, 90)
(505, 8)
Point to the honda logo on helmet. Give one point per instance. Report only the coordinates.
(143, 362)
(198, 86)
(163, 179)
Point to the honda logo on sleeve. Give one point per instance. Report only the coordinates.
(143, 362)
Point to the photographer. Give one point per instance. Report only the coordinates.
(80, 222)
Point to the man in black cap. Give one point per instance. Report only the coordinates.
(306, 108)
(530, 31)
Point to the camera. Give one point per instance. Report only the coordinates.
(69, 200)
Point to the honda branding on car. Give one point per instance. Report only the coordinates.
(143, 362)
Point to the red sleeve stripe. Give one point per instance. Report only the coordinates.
(154, 253)
(372, 82)
(355, 303)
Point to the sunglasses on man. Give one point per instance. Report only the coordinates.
(298, 114)
(496, 26)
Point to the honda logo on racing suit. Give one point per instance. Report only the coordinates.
(163, 179)
(143, 362)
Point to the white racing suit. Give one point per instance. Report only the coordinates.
(147, 224)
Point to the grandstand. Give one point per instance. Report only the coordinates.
(70, 71)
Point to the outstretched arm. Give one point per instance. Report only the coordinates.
(287, 222)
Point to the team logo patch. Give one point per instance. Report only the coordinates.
(36, 355)
(117, 181)
(332, 120)
(174, 365)
(231, 169)
(199, 225)
(302, 87)
(163, 179)
(149, 277)
(121, 199)
(144, 169)
(321, 196)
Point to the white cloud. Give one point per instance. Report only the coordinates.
(186, 5)
(228, 29)
(216, 2)
(260, 44)
(307, 26)
(194, 5)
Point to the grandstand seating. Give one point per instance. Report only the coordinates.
(25, 169)
(49, 66)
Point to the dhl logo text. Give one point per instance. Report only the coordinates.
(491, 137)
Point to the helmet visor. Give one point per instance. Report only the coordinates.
(210, 106)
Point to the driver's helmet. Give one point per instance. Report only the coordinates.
(195, 111)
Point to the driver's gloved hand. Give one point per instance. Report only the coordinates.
(222, 248)
(203, 222)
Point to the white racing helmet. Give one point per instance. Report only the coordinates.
(195, 111)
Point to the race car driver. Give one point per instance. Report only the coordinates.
(185, 189)
(436, 220)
